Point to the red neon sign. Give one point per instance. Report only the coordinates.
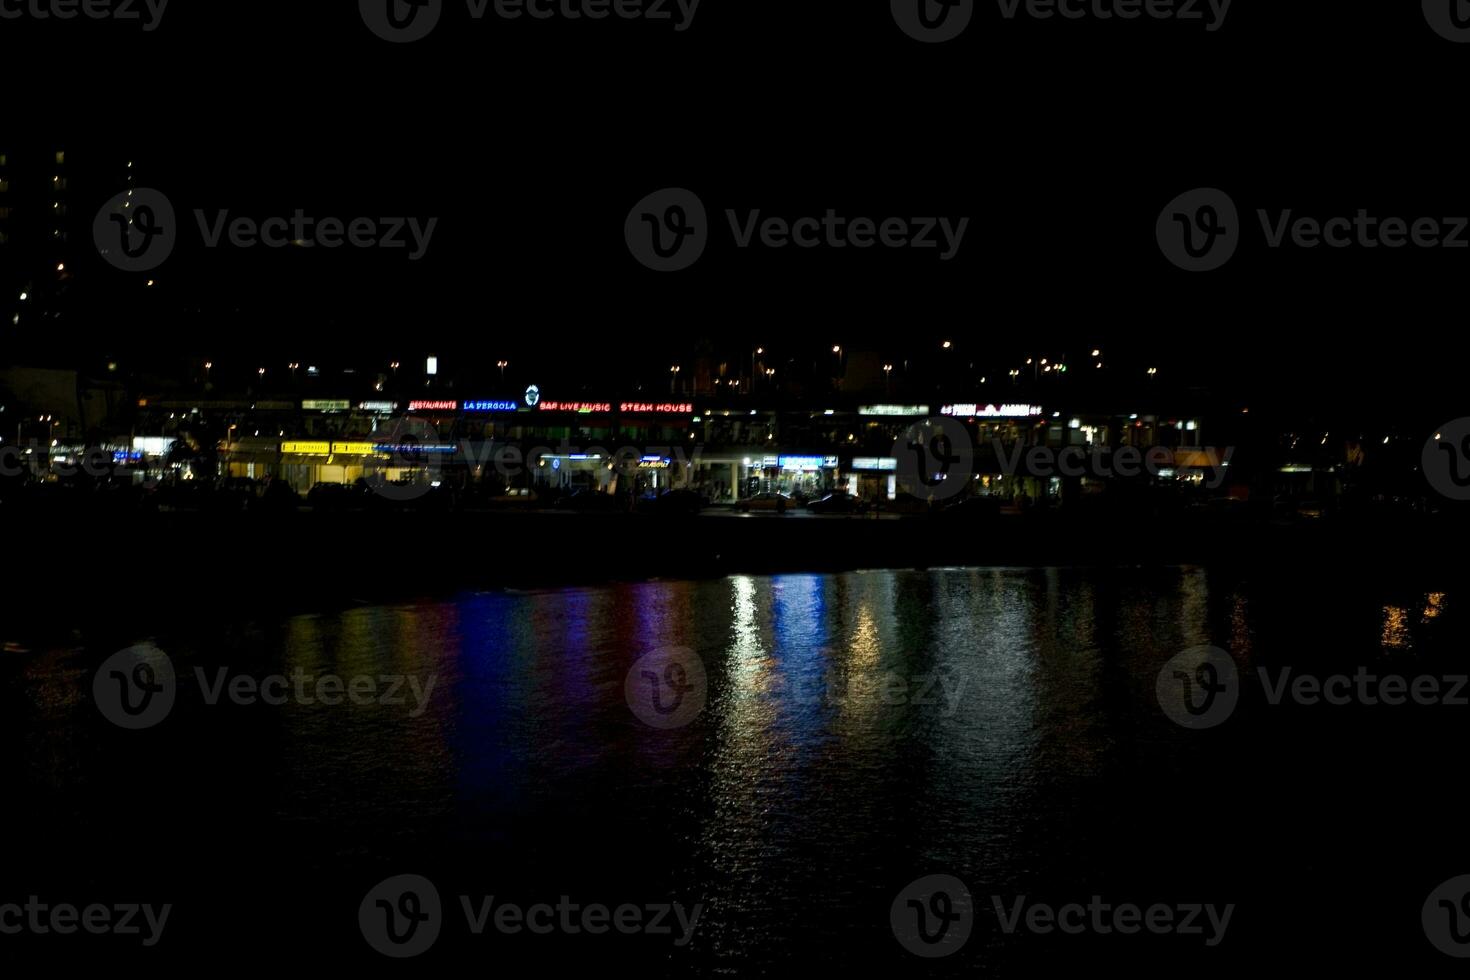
(583, 408)
(660, 408)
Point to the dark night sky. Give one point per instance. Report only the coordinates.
(530, 142)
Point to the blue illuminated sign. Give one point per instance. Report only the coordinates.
(491, 406)
(409, 448)
(806, 462)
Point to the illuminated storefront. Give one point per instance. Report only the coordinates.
(305, 463)
(873, 477)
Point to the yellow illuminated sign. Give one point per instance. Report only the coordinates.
(354, 448)
(306, 448)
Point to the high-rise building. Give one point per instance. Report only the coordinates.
(47, 202)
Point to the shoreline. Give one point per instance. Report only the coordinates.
(318, 559)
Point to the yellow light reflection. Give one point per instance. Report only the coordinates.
(1396, 628)
(1433, 606)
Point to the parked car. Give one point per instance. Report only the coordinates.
(513, 497)
(673, 502)
(778, 502)
(907, 503)
(838, 502)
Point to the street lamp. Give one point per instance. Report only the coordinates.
(673, 377)
(502, 365)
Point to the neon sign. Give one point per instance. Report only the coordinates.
(385, 408)
(807, 462)
(992, 411)
(433, 406)
(409, 448)
(581, 408)
(902, 410)
(306, 448)
(325, 405)
(491, 405)
(659, 408)
(533, 396)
